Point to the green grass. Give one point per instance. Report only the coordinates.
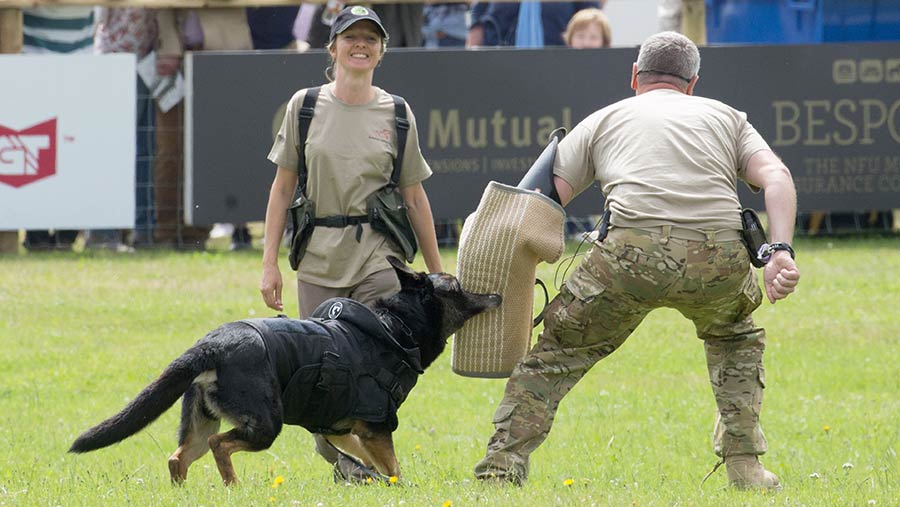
(82, 333)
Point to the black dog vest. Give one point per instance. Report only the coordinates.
(343, 362)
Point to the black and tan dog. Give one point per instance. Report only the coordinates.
(342, 373)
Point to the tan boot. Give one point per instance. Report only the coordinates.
(746, 472)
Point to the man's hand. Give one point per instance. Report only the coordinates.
(270, 287)
(780, 276)
(167, 65)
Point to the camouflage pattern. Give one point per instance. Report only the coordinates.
(622, 279)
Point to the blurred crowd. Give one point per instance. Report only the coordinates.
(165, 34)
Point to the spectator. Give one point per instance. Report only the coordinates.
(317, 27)
(352, 133)
(403, 21)
(588, 28)
(525, 24)
(270, 28)
(668, 12)
(132, 30)
(56, 30)
(444, 25)
(669, 245)
(273, 27)
(180, 31)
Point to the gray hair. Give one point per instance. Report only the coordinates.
(669, 54)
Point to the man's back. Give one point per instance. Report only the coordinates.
(663, 158)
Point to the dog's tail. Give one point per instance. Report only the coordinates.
(149, 404)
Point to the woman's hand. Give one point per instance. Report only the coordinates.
(270, 286)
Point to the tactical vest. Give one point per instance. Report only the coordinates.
(344, 362)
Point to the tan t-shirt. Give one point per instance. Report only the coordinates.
(350, 154)
(663, 158)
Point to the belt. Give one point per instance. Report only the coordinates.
(709, 236)
(341, 220)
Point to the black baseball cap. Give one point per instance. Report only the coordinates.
(352, 14)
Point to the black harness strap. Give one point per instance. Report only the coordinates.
(401, 125)
(341, 220)
(306, 114)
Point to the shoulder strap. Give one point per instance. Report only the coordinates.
(402, 126)
(306, 114)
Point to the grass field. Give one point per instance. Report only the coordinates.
(80, 334)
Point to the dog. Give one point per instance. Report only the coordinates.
(259, 374)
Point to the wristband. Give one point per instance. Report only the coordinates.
(766, 250)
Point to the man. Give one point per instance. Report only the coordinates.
(668, 164)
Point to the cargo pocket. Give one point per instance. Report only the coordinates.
(584, 286)
(335, 390)
(752, 294)
(503, 414)
(295, 399)
(571, 314)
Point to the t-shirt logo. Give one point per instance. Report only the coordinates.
(27, 155)
(383, 135)
(335, 310)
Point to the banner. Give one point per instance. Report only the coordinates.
(831, 111)
(67, 141)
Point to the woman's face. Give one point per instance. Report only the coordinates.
(588, 36)
(358, 48)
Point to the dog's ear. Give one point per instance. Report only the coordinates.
(406, 275)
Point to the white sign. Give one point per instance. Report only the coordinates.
(67, 141)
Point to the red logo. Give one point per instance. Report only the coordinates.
(381, 135)
(27, 155)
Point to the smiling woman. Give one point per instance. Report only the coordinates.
(345, 145)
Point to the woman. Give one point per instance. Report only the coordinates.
(588, 28)
(350, 149)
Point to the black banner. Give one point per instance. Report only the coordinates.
(831, 111)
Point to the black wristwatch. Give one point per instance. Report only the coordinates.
(765, 253)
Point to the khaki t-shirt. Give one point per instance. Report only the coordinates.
(663, 158)
(350, 154)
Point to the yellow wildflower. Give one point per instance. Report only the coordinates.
(568, 482)
(826, 428)
(393, 479)
(448, 503)
(277, 482)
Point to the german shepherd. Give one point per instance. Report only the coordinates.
(229, 374)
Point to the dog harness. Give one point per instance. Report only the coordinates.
(345, 362)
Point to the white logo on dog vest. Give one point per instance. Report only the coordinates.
(335, 310)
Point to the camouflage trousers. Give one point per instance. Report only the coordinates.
(624, 278)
